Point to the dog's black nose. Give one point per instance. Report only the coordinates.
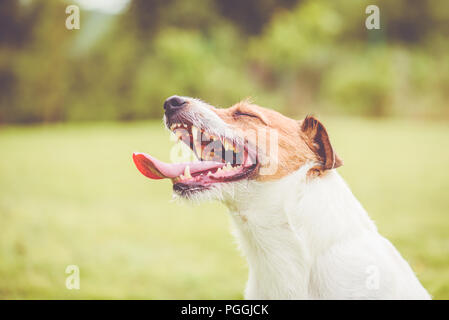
(173, 104)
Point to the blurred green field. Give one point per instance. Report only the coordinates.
(69, 194)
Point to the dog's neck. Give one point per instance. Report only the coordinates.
(279, 226)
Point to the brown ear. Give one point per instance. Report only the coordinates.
(318, 140)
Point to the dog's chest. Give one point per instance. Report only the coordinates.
(277, 260)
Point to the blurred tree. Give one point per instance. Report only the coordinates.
(147, 17)
(16, 26)
(251, 15)
(407, 21)
(35, 71)
(16, 23)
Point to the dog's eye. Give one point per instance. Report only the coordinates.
(239, 113)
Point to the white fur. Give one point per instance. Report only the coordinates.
(309, 238)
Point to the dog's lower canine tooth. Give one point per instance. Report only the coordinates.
(187, 172)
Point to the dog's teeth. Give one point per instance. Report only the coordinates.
(194, 132)
(172, 127)
(185, 126)
(187, 173)
(196, 141)
(219, 170)
(227, 145)
(209, 173)
(181, 177)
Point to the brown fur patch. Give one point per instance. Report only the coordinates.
(298, 141)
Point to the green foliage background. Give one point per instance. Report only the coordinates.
(296, 56)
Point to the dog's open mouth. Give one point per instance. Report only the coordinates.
(220, 160)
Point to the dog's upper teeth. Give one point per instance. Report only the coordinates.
(227, 145)
(194, 132)
(197, 141)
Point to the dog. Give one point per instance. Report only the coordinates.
(303, 232)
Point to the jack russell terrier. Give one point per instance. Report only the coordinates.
(303, 232)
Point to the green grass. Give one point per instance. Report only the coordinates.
(70, 194)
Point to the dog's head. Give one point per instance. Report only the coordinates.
(235, 145)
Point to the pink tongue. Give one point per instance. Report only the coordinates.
(155, 169)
